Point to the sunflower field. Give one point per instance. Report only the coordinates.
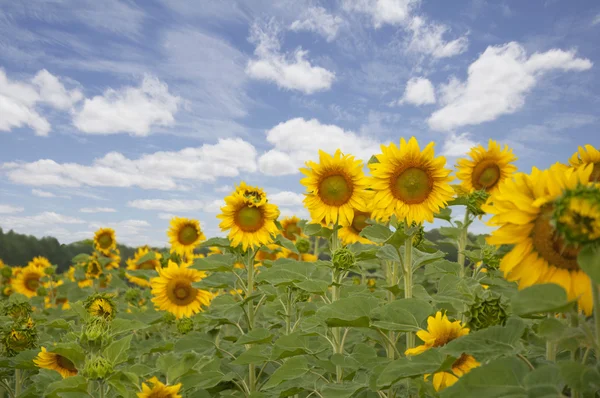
(353, 302)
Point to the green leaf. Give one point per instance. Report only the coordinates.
(589, 261)
(218, 242)
(403, 315)
(543, 382)
(298, 343)
(344, 390)
(444, 214)
(218, 280)
(24, 359)
(352, 311)
(428, 362)
(389, 252)
(421, 258)
(255, 354)
(151, 255)
(117, 351)
(319, 286)
(285, 242)
(581, 377)
(72, 384)
(312, 229)
(256, 336)
(120, 325)
(501, 378)
(201, 343)
(80, 258)
(287, 272)
(441, 267)
(291, 369)
(215, 263)
(377, 233)
(538, 299)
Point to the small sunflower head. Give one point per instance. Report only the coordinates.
(6, 272)
(475, 200)
(97, 368)
(343, 259)
(185, 325)
(303, 245)
(489, 256)
(17, 310)
(101, 305)
(488, 310)
(16, 340)
(576, 215)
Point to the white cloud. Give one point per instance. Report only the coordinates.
(298, 140)
(214, 207)
(159, 170)
(223, 189)
(9, 209)
(548, 131)
(19, 99)
(131, 110)
(48, 218)
(497, 84)
(131, 232)
(317, 19)
(428, 38)
(166, 216)
(42, 194)
(299, 212)
(97, 210)
(170, 205)
(292, 73)
(392, 12)
(596, 20)
(456, 145)
(286, 199)
(419, 91)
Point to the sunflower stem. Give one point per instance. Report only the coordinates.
(596, 298)
(17, 382)
(316, 248)
(250, 291)
(408, 279)
(551, 347)
(462, 243)
(392, 280)
(335, 295)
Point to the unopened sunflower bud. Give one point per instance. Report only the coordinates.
(6, 272)
(168, 318)
(50, 271)
(475, 200)
(41, 291)
(489, 256)
(302, 296)
(97, 368)
(132, 295)
(488, 310)
(97, 328)
(101, 305)
(343, 259)
(576, 215)
(419, 235)
(185, 325)
(303, 245)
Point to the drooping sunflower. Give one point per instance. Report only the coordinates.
(173, 291)
(114, 260)
(135, 264)
(336, 185)
(410, 183)
(440, 331)
(159, 390)
(285, 253)
(41, 262)
(250, 221)
(101, 305)
(28, 281)
(105, 240)
(254, 194)
(57, 362)
(486, 168)
(577, 214)
(522, 211)
(587, 155)
(351, 233)
(290, 228)
(184, 234)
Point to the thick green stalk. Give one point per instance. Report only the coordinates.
(17, 382)
(408, 280)
(288, 313)
(596, 298)
(551, 347)
(250, 291)
(316, 248)
(335, 296)
(462, 243)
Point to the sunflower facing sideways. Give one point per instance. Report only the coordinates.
(290, 229)
(487, 167)
(184, 234)
(336, 185)
(351, 233)
(105, 241)
(522, 210)
(410, 183)
(159, 390)
(173, 291)
(57, 362)
(28, 281)
(440, 331)
(135, 264)
(586, 155)
(41, 262)
(249, 218)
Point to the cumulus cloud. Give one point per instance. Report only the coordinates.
(19, 101)
(428, 38)
(97, 210)
(286, 199)
(298, 140)
(167, 205)
(293, 72)
(497, 84)
(318, 20)
(392, 12)
(9, 209)
(42, 194)
(47, 218)
(132, 232)
(160, 170)
(456, 145)
(419, 91)
(132, 110)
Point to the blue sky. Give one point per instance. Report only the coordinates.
(123, 113)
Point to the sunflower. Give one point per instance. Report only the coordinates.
(522, 210)
(285, 253)
(53, 361)
(336, 185)
(159, 390)
(410, 183)
(214, 250)
(486, 168)
(41, 262)
(440, 331)
(101, 305)
(577, 214)
(351, 233)
(184, 234)
(27, 281)
(253, 194)
(267, 253)
(250, 222)
(173, 291)
(586, 155)
(115, 260)
(134, 264)
(290, 228)
(105, 241)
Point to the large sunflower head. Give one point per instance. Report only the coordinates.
(173, 290)
(440, 331)
(184, 234)
(522, 211)
(105, 241)
(40, 262)
(410, 183)
(28, 281)
(290, 228)
(135, 264)
(57, 362)
(486, 168)
(336, 185)
(249, 222)
(159, 390)
(351, 233)
(587, 155)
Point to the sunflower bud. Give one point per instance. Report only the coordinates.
(101, 305)
(475, 200)
(576, 215)
(303, 245)
(489, 256)
(6, 272)
(488, 310)
(97, 368)
(41, 291)
(185, 325)
(132, 295)
(96, 328)
(419, 235)
(343, 259)
(168, 318)
(18, 311)
(302, 296)
(49, 271)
